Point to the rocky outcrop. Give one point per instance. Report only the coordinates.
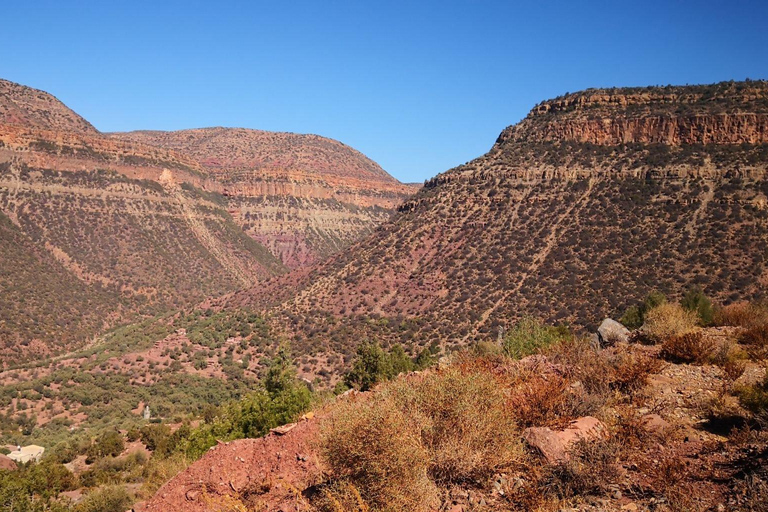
(725, 113)
(698, 129)
(611, 332)
(555, 445)
(270, 472)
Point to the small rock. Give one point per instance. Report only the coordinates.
(629, 506)
(655, 424)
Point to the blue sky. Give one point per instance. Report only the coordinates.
(419, 87)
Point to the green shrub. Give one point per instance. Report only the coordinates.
(695, 300)
(108, 499)
(529, 336)
(373, 365)
(109, 443)
(634, 317)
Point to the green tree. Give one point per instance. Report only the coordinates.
(371, 367)
(281, 373)
(399, 362)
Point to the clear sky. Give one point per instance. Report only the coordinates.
(420, 87)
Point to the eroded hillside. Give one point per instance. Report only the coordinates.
(557, 227)
(304, 197)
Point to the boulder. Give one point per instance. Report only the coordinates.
(554, 445)
(611, 332)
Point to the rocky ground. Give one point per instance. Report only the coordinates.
(685, 444)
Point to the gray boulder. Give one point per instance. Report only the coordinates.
(611, 332)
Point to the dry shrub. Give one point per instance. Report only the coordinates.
(590, 470)
(742, 314)
(542, 400)
(668, 320)
(756, 340)
(443, 427)
(584, 364)
(689, 347)
(466, 424)
(340, 496)
(631, 371)
(376, 446)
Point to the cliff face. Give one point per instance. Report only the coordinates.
(695, 129)
(560, 229)
(303, 196)
(727, 113)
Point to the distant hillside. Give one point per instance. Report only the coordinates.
(104, 230)
(591, 196)
(304, 197)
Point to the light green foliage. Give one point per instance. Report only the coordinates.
(110, 444)
(281, 373)
(32, 488)
(528, 336)
(108, 499)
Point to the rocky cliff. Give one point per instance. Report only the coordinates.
(726, 113)
(303, 196)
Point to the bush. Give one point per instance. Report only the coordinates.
(631, 372)
(373, 365)
(108, 499)
(108, 444)
(742, 314)
(668, 320)
(694, 300)
(756, 340)
(376, 446)
(440, 428)
(529, 336)
(755, 399)
(690, 347)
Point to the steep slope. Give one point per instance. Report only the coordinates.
(592, 195)
(131, 223)
(305, 197)
(32, 308)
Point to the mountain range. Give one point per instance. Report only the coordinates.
(591, 202)
(133, 224)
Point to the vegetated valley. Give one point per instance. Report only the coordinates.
(171, 297)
